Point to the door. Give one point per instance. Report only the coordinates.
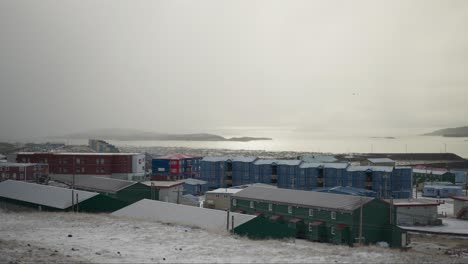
(403, 239)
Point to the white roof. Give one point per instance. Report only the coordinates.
(81, 153)
(410, 202)
(2, 156)
(319, 158)
(46, 195)
(340, 165)
(278, 162)
(231, 158)
(164, 184)
(433, 172)
(93, 183)
(380, 160)
(225, 190)
(372, 168)
(191, 181)
(14, 164)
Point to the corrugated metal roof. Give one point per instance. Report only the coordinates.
(50, 196)
(233, 159)
(93, 183)
(278, 162)
(380, 160)
(194, 182)
(372, 168)
(177, 157)
(304, 198)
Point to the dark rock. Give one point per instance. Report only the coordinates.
(97, 253)
(180, 249)
(29, 245)
(69, 235)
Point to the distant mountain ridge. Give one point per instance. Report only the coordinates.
(450, 132)
(130, 134)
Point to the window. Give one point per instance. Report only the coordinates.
(65, 170)
(97, 161)
(97, 170)
(77, 160)
(270, 207)
(7, 168)
(21, 168)
(102, 161)
(332, 230)
(234, 202)
(333, 215)
(311, 212)
(82, 169)
(78, 170)
(102, 170)
(252, 205)
(289, 209)
(311, 227)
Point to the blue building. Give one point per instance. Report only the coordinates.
(195, 187)
(441, 191)
(385, 181)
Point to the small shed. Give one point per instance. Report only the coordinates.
(19, 195)
(460, 207)
(416, 212)
(167, 191)
(195, 186)
(127, 191)
(441, 191)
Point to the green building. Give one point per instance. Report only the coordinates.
(316, 216)
(127, 191)
(17, 195)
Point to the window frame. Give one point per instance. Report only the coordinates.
(333, 215)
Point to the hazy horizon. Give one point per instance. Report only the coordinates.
(364, 67)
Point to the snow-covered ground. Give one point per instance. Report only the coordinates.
(68, 237)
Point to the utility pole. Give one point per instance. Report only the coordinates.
(178, 190)
(466, 183)
(360, 223)
(73, 183)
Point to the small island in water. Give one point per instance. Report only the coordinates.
(130, 134)
(450, 132)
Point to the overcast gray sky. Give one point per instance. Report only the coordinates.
(192, 66)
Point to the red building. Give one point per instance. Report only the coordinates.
(127, 166)
(30, 172)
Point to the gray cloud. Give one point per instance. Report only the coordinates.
(186, 66)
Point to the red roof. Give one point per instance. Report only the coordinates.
(177, 157)
(460, 198)
(258, 214)
(341, 226)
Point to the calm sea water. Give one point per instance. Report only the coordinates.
(286, 141)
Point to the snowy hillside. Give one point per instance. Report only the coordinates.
(104, 238)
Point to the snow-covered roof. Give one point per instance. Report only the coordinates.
(433, 172)
(210, 219)
(2, 156)
(232, 159)
(318, 158)
(441, 187)
(380, 160)
(163, 184)
(277, 162)
(15, 164)
(226, 190)
(461, 198)
(93, 183)
(372, 168)
(177, 157)
(303, 198)
(45, 195)
(338, 165)
(79, 153)
(194, 181)
(253, 184)
(413, 202)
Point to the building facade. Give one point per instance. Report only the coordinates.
(125, 166)
(29, 172)
(167, 191)
(322, 217)
(219, 199)
(460, 207)
(386, 181)
(102, 146)
(441, 191)
(176, 167)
